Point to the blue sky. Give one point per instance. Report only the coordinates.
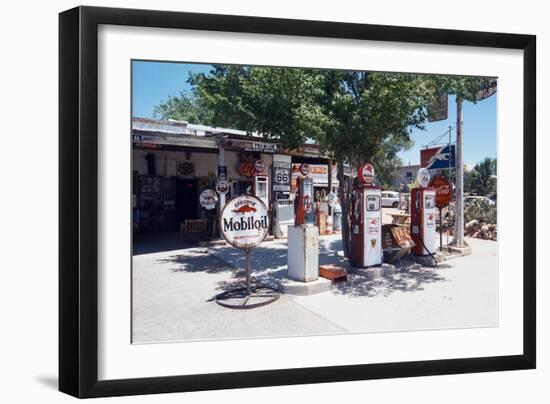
(154, 82)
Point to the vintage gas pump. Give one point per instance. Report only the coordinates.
(423, 216)
(366, 220)
(260, 188)
(303, 237)
(303, 204)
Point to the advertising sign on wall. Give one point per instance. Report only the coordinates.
(222, 187)
(281, 179)
(208, 199)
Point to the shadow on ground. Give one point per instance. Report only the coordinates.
(197, 260)
(269, 267)
(407, 279)
(159, 242)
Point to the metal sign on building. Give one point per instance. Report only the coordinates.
(282, 178)
(152, 139)
(222, 187)
(251, 146)
(208, 199)
(222, 173)
(438, 158)
(259, 166)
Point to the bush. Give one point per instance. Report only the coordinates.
(482, 211)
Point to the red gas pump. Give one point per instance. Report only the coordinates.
(423, 216)
(303, 204)
(366, 220)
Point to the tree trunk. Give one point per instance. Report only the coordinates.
(343, 194)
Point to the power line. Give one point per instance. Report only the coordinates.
(438, 139)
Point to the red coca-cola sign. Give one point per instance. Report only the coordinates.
(443, 190)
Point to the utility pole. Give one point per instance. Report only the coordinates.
(458, 240)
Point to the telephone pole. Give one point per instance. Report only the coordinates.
(458, 241)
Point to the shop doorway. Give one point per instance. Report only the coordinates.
(187, 200)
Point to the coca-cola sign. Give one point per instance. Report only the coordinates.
(443, 191)
(244, 221)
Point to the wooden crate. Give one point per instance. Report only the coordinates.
(333, 273)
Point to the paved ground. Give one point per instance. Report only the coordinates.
(173, 291)
(172, 301)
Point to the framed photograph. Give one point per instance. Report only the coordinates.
(251, 202)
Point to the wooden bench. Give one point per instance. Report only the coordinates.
(193, 228)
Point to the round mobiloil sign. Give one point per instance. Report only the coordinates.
(244, 221)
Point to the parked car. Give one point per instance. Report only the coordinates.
(471, 198)
(390, 199)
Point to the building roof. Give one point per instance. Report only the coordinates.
(182, 133)
(174, 127)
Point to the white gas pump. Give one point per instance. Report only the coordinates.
(260, 188)
(366, 221)
(283, 215)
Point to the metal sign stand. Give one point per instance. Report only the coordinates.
(440, 229)
(248, 297)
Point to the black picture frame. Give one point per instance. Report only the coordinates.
(78, 201)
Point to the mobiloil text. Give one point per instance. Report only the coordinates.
(243, 224)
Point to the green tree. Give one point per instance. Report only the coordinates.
(353, 116)
(184, 107)
(483, 181)
(277, 103)
(368, 118)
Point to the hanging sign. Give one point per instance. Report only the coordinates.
(486, 89)
(222, 187)
(365, 173)
(437, 110)
(208, 199)
(244, 222)
(443, 191)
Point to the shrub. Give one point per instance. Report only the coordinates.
(481, 210)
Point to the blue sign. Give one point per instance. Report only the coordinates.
(443, 158)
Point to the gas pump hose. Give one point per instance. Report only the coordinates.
(429, 253)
